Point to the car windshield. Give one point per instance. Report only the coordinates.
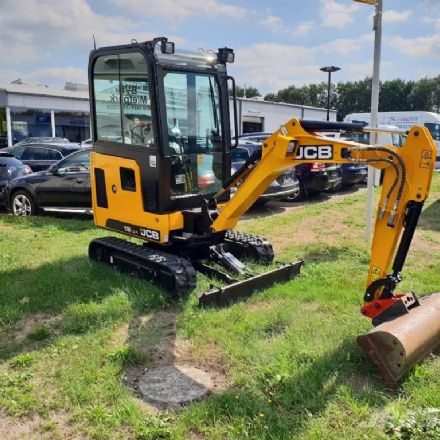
(434, 129)
(75, 163)
(240, 154)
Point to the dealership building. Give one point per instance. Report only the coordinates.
(28, 109)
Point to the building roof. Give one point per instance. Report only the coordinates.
(262, 101)
(28, 88)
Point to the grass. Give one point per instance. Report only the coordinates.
(71, 331)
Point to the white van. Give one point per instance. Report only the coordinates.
(404, 121)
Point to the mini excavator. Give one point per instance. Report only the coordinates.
(161, 172)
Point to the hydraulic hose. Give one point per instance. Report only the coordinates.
(392, 187)
(402, 180)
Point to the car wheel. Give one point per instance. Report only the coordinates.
(22, 204)
(303, 193)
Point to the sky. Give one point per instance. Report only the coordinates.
(277, 43)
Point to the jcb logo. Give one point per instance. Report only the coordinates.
(313, 152)
(149, 233)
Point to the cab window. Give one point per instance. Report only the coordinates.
(194, 133)
(122, 100)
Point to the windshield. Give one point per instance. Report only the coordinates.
(434, 129)
(194, 131)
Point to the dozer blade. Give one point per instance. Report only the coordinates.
(395, 346)
(222, 296)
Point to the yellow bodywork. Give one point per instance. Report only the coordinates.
(127, 206)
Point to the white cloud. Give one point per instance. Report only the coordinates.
(31, 30)
(420, 47)
(344, 46)
(304, 28)
(391, 16)
(271, 66)
(177, 10)
(60, 75)
(272, 22)
(338, 15)
(276, 25)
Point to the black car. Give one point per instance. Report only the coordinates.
(64, 187)
(313, 177)
(284, 186)
(353, 174)
(10, 168)
(318, 177)
(41, 156)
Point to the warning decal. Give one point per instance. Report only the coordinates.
(426, 159)
(375, 273)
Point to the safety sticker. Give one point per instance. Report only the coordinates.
(375, 273)
(426, 159)
(153, 161)
(180, 178)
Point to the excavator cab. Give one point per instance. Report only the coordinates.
(166, 117)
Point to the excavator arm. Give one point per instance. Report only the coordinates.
(407, 175)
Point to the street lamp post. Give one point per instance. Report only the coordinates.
(329, 70)
(377, 27)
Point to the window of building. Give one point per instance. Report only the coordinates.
(30, 123)
(122, 99)
(74, 126)
(3, 129)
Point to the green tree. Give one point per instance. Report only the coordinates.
(354, 97)
(421, 96)
(393, 95)
(251, 92)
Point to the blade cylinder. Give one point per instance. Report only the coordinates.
(395, 346)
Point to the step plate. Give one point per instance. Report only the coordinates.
(223, 296)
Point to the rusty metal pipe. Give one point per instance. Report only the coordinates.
(395, 346)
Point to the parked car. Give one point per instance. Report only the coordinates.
(317, 177)
(313, 178)
(86, 143)
(41, 156)
(64, 187)
(10, 168)
(353, 174)
(41, 139)
(284, 186)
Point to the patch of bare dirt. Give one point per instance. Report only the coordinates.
(154, 336)
(327, 229)
(28, 323)
(34, 427)
(421, 244)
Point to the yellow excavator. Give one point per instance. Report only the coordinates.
(161, 172)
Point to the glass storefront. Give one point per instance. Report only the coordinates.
(30, 123)
(74, 126)
(3, 129)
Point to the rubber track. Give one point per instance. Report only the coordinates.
(250, 246)
(182, 270)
